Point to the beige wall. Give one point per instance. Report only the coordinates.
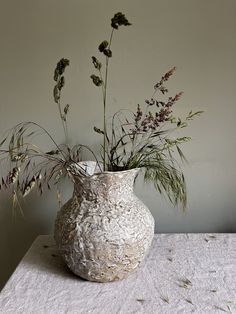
(198, 36)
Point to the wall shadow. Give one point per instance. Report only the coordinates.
(17, 232)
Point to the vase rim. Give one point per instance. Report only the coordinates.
(94, 169)
(96, 174)
(118, 172)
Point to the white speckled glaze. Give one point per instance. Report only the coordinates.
(104, 231)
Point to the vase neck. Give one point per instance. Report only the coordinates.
(106, 185)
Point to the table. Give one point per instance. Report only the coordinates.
(183, 273)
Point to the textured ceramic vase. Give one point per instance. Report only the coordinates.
(104, 231)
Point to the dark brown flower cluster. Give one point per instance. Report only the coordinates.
(104, 48)
(96, 80)
(59, 78)
(118, 20)
(96, 63)
(60, 68)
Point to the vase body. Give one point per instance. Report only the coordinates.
(104, 231)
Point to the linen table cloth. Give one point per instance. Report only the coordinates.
(183, 273)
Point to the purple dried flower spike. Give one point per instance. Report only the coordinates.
(159, 85)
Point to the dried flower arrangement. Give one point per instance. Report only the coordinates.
(139, 139)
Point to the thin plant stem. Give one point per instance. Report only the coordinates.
(62, 121)
(104, 105)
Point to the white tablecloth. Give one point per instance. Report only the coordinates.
(183, 273)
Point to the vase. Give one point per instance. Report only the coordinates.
(104, 231)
